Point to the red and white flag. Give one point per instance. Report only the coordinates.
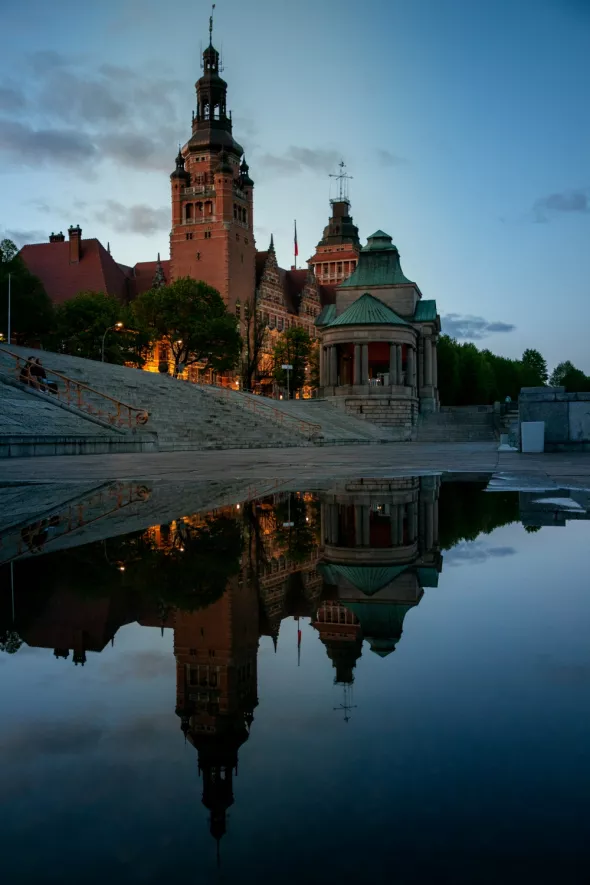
(296, 245)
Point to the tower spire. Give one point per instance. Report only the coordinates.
(211, 26)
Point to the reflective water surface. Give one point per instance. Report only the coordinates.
(376, 678)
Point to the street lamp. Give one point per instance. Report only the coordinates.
(106, 331)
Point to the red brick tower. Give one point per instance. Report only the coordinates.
(212, 236)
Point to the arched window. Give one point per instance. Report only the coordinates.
(188, 212)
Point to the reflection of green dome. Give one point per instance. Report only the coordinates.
(382, 647)
(381, 624)
(369, 579)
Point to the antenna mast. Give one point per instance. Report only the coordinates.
(342, 178)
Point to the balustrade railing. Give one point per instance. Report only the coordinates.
(73, 393)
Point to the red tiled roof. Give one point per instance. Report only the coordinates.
(96, 270)
(144, 273)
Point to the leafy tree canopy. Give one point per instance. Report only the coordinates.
(31, 307)
(194, 321)
(573, 379)
(535, 368)
(81, 323)
(292, 349)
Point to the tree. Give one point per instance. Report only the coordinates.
(254, 343)
(534, 369)
(81, 323)
(31, 307)
(567, 375)
(192, 319)
(10, 642)
(448, 370)
(293, 348)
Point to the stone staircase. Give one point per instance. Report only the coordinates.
(461, 424)
(183, 415)
(335, 426)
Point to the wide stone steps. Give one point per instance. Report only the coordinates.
(183, 416)
(336, 425)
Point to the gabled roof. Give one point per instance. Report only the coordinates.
(379, 265)
(368, 311)
(144, 273)
(96, 271)
(425, 312)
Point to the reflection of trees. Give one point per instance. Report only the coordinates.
(10, 641)
(189, 570)
(466, 511)
(297, 541)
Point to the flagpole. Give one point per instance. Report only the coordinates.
(9, 281)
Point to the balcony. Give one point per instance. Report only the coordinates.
(201, 190)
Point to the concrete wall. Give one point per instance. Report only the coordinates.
(566, 416)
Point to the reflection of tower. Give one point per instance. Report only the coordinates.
(340, 632)
(216, 652)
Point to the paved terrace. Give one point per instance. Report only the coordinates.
(299, 466)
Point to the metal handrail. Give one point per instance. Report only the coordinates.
(263, 408)
(73, 395)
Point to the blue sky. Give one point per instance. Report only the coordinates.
(464, 123)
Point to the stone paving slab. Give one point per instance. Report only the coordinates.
(257, 465)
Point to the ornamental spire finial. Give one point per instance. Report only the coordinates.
(211, 26)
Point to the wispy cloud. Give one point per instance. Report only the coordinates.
(387, 158)
(565, 202)
(22, 237)
(78, 117)
(138, 218)
(296, 160)
(472, 328)
(475, 552)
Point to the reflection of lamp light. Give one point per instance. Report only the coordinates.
(121, 568)
(238, 506)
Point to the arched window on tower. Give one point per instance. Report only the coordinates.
(188, 212)
(206, 108)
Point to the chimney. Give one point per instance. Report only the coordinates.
(56, 238)
(75, 237)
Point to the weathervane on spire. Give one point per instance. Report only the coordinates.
(342, 178)
(211, 26)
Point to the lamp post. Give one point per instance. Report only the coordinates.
(106, 331)
(9, 305)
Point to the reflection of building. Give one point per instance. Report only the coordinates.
(216, 688)
(380, 549)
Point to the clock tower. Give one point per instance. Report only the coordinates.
(212, 236)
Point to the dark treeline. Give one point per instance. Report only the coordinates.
(469, 376)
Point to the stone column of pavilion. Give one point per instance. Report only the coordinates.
(378, 342)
